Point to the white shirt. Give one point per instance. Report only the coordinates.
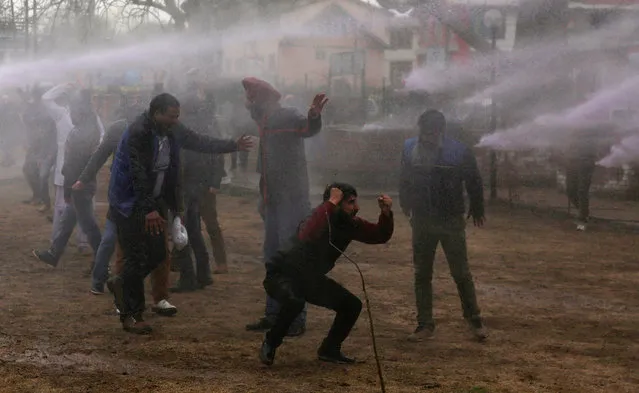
(61, 115)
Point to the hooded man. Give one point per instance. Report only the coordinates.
(435, 169)
(297, 273)
(142, 190)
(284, 186)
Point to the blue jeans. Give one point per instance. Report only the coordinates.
(103, 255)
(79, 211)
(281, 221)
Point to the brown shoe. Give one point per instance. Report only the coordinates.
(422, 333)
(221, 270)
(478, 329)
(136, 325)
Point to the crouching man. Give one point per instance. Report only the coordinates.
(297, 273)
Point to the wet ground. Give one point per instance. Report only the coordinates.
(562, 308)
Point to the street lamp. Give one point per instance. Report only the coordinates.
(493, 19)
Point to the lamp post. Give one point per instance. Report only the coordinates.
(493, 20)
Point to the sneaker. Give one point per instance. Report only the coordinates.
(221, 270)
(46, 257)
(97, 289)
(422, 332)
(263, 325)
(164, 308)
(267, 353)
(334, 355)
(44, 208)
(478, 330)
(136, 325)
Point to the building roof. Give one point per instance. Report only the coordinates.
(605, 4)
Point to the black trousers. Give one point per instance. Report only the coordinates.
(142, 252)
(292, 293)
(578, 181)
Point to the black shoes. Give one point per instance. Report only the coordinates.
(267, 353)
(332, 354)
(296, 331)
(46, 257)
(263, 325)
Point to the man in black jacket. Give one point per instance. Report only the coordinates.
(434, 171)
(201, 178)
(143, 188)
(80, 143)
(297, 273)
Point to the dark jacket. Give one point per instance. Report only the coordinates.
(440, 191)
(282, 157)
(132, 177)
(309, 254)
(103, 152)
(41, 131)
(80, 145)
(201, 171)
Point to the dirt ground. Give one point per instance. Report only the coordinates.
(562, 308)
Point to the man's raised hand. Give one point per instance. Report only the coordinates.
(336, 196)
(317, 106)
(385, 203)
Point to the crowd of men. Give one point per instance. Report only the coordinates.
(167, 162)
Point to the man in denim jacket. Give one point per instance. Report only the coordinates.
(435, 170)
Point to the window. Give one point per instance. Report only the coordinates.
(320, 54)
(477, 20)
(399, 70)
(401, 38)
(346, 63)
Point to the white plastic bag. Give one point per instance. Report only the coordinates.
(178, 234)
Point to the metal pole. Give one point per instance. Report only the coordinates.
(493, 119)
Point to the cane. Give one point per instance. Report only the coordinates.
(380, 374)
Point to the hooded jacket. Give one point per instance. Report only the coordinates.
(132, 178)
(309, 253)
(282, 158)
